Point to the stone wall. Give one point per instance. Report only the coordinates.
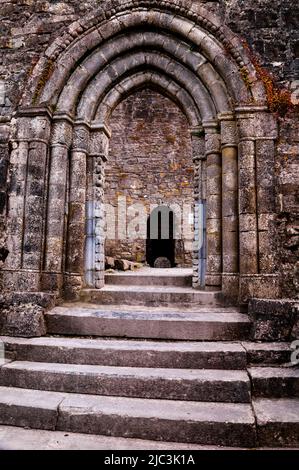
(269, 27)
(150, 163)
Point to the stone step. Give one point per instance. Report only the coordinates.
(277, 422)
(223, 424)
(172, 384)
(122, 353)
(150, 295)
(274, 382)
(175, 325)
(143, 279)
(14, 438)
(267, 353)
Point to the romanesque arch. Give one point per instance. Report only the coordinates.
(61, 139)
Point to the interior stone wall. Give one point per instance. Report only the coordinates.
(150, 163)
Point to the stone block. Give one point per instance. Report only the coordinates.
(273, 320)
(25, 320)
(122, 265)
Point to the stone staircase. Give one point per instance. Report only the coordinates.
(177, 374)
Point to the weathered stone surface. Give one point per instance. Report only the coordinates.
(277, 422)
(268, 353)
(268, 163)
(274, 382)
(129, 353)
(204, 420)
(29, 408)
(217, 325)
(13, 438)
(169, 384)
(26, 320)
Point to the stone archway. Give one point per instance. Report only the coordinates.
(61, 142)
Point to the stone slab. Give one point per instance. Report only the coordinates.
(274, 382)
(13, 438)
(174, 384)
(201, 423)
(184, 355)
(149, 295)
(222, 326)
(267, 353)
(29, 408)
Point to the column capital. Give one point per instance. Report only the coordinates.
(81, 136)
(197, 132)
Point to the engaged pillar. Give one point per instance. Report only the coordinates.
(74, 276)
(230, 224)
(61, 140)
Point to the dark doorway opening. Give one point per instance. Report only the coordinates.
(160, 241)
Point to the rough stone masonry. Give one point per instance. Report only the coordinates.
(226, 74)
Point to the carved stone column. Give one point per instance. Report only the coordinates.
(230, 224)
(28, 165)
(61, 140)
(74, 276)
(214, 205)
(95, 243)
(199, 249)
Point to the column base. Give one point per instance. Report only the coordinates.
(213, 280)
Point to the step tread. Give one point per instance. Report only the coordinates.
(115, 344)
(151, 289)
(129, 407)
(204, 375)
(281, 410)
(249, 346)
(14, 438)
(148, 315)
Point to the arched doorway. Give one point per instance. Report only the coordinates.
(160, 240)
(61, 141)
